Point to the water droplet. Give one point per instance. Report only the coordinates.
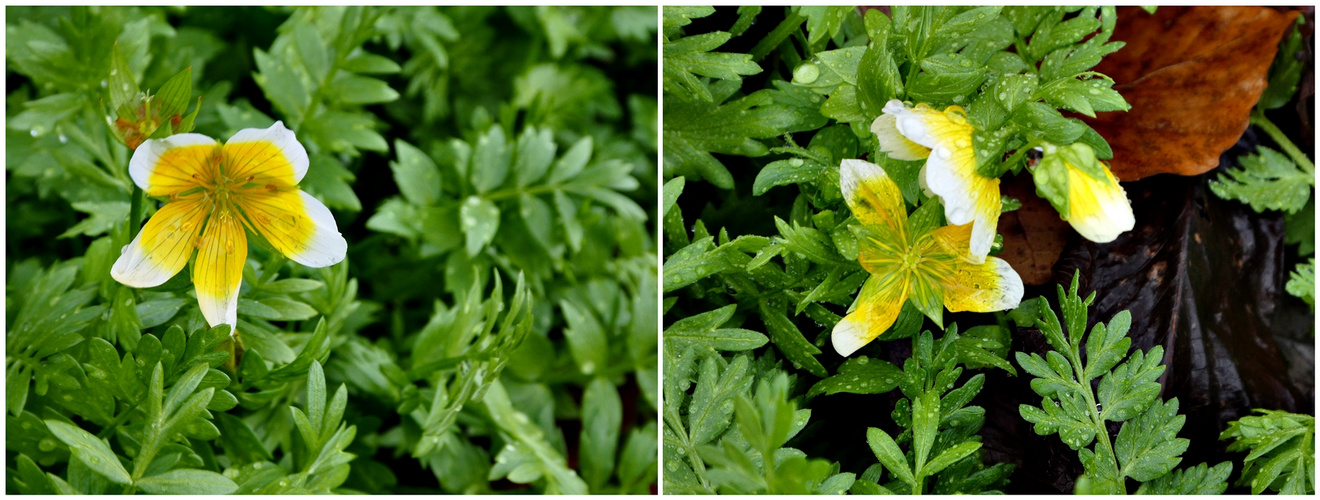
(796, 162)
(1003, 96)
(682, 451)
(105, 84)
(46, 444)
(958, 98)
(671, 466)
(727, 406)
(862, 361)
(962, 143)
(588, 367)
(944, 152)
(125, 87)
(806, 73)
(1094, 92)
(64, 139)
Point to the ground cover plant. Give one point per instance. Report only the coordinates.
(486, 323)
(987, 249)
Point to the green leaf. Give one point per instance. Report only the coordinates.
(703, 330)
(1267, 180)
(860, 375)
(586, 338)
(1286, 70)
(1301, 282)
(602, 414)
(1147, 446)
(187, 482)
(355, 89)
(479, 218)
(824, 22)
(1198, 480)
(690, 57)
(889, 454)
(789, 340)
(949, 457)
(416, 175)
(92, 452)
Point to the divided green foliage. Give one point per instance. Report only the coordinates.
(1267, 180)
(939, 428)
(522, 143)
(1146, 448)
(1282, 451)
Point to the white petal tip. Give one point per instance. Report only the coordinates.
(847, 337)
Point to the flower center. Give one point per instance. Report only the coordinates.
(911, 260)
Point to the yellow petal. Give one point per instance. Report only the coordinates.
(269, 156)
(295, 223)
(950, 170)
(177, 163)
(1098, 210)
(163, 246)
(877, 307)
(218, 272)
(992, 285)
(872, 196)
(893, 143)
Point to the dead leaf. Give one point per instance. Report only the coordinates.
(1192, 75)
(1034, 235)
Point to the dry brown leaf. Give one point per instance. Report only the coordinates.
(1034, 235)
(1192, 75)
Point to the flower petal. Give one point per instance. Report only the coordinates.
(296, 224)
(992, 285)
(1098, 210)
(269, 156)
(893, 143)
(950, 173)
(218, 273)
(872, 196)
(177, 163)
(163, 246)
(877, 307)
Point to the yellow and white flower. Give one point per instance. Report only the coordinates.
(1096, 205)
(214, 192)
(944, 140)
(931, 267)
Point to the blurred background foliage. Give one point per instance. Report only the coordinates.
(492, 329)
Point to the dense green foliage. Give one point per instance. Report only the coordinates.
(493, 327)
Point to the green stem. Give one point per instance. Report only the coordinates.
(1102, 433)
(134, 212)
(516, 192)
(1258, 118)
(778, 35)
(317, 95)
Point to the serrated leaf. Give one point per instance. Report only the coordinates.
(93, 452)
(702, 330)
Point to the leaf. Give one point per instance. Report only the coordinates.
(789, 340)
(187, 482)
(1267, 180)
(889, 454)
(1147, 446)
(479, 218)
(1192, 75)
(92, 452)
(712, 405)
(949, 456)
(860, 375)
(1198, 480)
(690, 57)
(703, 330)
(1301, 282)
(416, 175)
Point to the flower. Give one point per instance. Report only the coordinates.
(1096, 206)
(944, 140)
(213, 193)
(909, 259)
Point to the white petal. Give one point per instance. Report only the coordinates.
(280, 137)
(162, 247)
(175, 176)
(848, 336)
(1099, 211)
(893, 143)
(327, 246)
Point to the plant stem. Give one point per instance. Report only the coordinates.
(134, 212)
(1258, 118)
(1102, 433)
(777, 36)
